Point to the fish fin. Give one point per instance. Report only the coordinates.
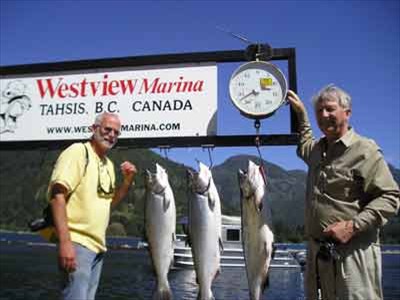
(258, 205)
(152, 261)
(166, 203)
(171, 263)
(221, 244)
(270, 251)
(143, 230)
(211, 202)
(217, 273)
(265, 282)
(266, 249)
(273, 250)
(188, 241)
(173, 240)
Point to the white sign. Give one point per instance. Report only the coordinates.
(171, 101)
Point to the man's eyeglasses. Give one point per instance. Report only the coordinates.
(108, 130)
(105, 188)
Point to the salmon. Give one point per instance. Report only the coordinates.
(257, 236)
(204, 229)
(160, 224)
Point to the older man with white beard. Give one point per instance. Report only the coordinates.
(81, 193)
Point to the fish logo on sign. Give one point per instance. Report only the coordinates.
(13, 104)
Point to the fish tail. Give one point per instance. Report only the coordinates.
(264, 283)
(209, 296)
(163, 294)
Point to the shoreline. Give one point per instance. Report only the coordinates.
(136, 242)
(20, 232)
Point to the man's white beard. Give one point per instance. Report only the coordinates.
(101, 140)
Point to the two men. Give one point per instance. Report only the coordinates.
(81, 192)
(350, 195)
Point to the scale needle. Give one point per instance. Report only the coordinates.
(253, 92)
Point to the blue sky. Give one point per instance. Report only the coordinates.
(354, 44)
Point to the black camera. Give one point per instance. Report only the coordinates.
(327, 251)
(38, 224)
(42, 223)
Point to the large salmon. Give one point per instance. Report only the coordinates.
(257, 236)
(160, 219)
(204, 229)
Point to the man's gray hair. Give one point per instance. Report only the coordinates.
(100, 117)
(332, 92)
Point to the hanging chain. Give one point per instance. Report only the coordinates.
(165, 150)
(209, 148)
(210, 158)
(257, 125)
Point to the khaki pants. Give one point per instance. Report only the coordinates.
(355, 276)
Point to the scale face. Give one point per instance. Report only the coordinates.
(257, 89)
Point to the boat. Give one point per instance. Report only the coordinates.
(301, 257)
(232, 254)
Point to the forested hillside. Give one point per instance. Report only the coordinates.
(24, 177)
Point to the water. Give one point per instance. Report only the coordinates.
(28, 271)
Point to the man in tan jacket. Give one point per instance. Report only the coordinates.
(350, 194)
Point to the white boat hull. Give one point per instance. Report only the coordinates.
(232, 257)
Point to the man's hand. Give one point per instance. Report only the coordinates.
(295, 102)
(67, 256)
(66, 250)
(340, 231)
(128, 171)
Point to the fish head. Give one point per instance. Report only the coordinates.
(161, 175)
(252, 184)
(157, 181)
(199, 181)
(149, 178)
(256, 179)
(244, 183)
(203, 178)
(191, 179)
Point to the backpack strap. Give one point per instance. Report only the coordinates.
(84, 170)
(86, 160)
(47, 219)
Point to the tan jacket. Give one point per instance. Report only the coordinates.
(350, 180)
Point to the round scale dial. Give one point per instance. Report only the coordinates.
(257, 89)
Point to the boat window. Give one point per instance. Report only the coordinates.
(233, 235)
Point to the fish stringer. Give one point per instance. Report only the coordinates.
(209, 148)
(257, 125)
(164, 149)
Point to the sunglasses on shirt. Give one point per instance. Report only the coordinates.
(104, 190)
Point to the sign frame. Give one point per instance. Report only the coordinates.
(252, 52)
